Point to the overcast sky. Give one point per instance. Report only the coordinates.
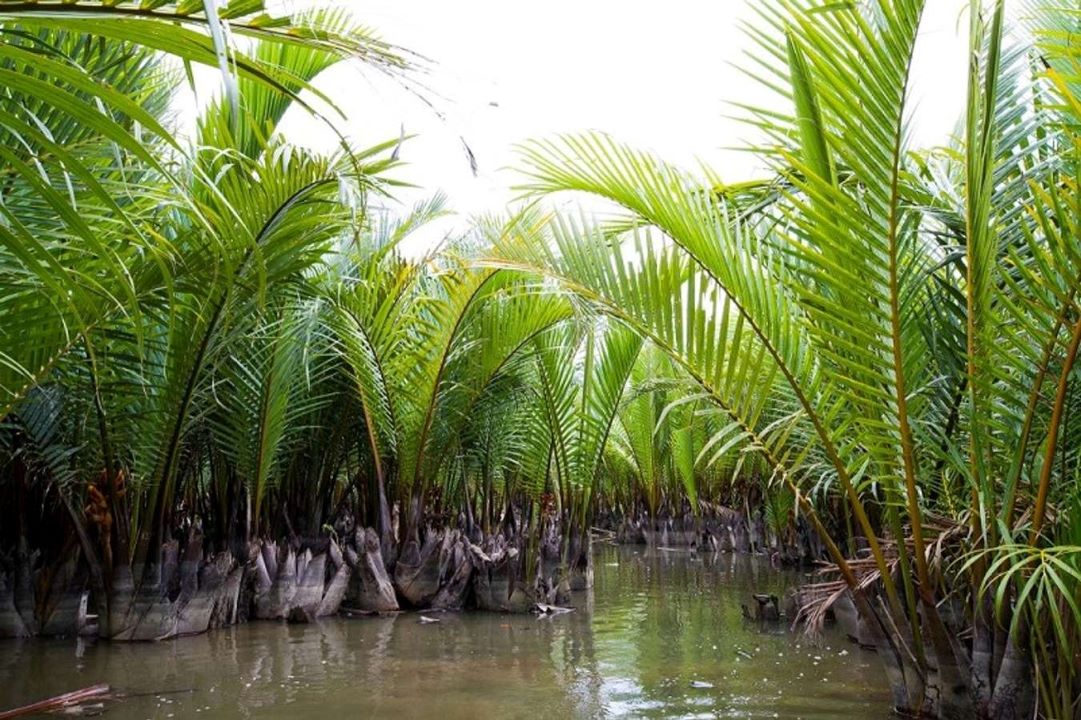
(657, 74)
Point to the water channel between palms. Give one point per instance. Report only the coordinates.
(660, 635)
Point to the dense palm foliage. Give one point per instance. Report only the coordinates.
(903, 326)
(215, 341)
(211, 339)
(148, 371)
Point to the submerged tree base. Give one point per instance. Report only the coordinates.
(719, 529)
(189, 590)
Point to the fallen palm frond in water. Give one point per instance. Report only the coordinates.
(815, 600)
(60, 702)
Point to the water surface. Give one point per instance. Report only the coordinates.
(660, 636)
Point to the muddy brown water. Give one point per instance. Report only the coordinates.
(660, 636)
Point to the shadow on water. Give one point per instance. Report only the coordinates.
(661, 635)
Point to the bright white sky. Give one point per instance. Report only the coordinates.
(659, 75)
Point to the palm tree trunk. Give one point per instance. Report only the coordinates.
(1013, 697)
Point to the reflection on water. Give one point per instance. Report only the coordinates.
(661, 635)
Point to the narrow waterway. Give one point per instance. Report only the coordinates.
(661, 636)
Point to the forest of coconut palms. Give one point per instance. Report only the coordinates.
(230, 392)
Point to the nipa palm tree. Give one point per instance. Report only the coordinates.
(139, 268)
(910, 319)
